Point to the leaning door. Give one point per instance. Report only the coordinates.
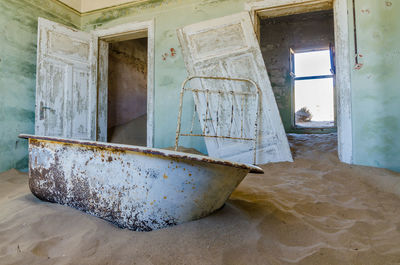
(228, 47)
(66, 85)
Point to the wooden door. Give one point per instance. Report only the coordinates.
(228, 47)
(66, 85)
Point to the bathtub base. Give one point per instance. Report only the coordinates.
(141, 189)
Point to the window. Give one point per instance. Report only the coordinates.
(312, 74)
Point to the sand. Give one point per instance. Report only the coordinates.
(313, 211)
(132, 132)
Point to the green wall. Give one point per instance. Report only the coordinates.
(376, 86)
(18, 30)
(169, 73)
(375, 93)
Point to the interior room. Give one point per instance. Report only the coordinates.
(292, 106)
(127, 92)
(298, 53)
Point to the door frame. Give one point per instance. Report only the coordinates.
(275, 8)
(128, 31)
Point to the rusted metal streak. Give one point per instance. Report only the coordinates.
(146, 150)
(207, 109)
(219, 91)
(207, 92)
(355, 32)
(242, 119)
(221, 78)
(218, 136)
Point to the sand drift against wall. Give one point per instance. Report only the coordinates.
(313, 211)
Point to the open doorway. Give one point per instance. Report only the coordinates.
(127, 92)
(265, 9)
(125, 109)
(299, 55)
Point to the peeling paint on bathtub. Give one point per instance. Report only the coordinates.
(129, 186)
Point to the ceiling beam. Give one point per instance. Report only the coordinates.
(87, 6)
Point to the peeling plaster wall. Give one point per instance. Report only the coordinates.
(375, 86)
(304, 31)
(375, 92)
(170, 69)
(375, 97)
(18, 33)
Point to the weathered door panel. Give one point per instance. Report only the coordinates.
(102, 97)
(66, 88)
(228, 46)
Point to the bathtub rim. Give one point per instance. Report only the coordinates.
(147, 150)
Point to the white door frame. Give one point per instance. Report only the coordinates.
(133, 30)
(275, 8)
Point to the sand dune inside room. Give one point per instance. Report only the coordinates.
(313, 211)
(284, 115)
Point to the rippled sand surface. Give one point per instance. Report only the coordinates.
(313, 211)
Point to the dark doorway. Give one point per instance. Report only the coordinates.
(127, 92)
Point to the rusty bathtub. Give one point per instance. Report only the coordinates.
(133, 187)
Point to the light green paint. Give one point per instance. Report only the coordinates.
(169, 74)
(18, 27)
(375, 98)
(375, 87)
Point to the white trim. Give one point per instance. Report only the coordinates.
(259, 6)
(130, 31)
(343, 68)
(343, 82)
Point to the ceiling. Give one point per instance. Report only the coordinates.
(84, 6)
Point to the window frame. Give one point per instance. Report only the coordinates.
(292, 52)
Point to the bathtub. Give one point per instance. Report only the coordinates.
(134, 187)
